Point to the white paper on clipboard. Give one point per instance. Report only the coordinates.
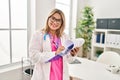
(69, 44)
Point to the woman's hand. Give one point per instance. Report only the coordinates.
(61, 48)
(74, 51)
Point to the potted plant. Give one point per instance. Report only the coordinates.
(99, 52)
(84, 29)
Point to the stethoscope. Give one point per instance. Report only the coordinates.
(45, 35)
(55, 43)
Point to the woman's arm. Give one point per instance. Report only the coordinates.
(36, 49)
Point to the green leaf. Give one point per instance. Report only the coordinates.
(85, 27)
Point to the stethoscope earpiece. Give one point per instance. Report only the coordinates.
(45, 36)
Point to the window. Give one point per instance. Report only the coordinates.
(13, 31)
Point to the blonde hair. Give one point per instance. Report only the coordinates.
(59, 32)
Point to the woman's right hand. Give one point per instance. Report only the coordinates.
(60, 48)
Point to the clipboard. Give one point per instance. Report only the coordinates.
(69, 44)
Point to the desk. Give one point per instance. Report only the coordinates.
(91, 70)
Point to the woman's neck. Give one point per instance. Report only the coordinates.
(53, 33)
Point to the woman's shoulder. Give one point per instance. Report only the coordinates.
(65, 35)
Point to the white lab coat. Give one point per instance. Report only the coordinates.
(40, 51)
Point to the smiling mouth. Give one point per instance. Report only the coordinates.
(54, 26)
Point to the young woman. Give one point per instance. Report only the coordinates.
(45, 44)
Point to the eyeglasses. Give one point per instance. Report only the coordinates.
(53, 19)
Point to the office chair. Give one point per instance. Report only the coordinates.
(109, 58)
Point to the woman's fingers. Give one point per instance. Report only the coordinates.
(77, 49)
(61, 48)
(74, 51)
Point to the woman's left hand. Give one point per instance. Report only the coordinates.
(74, 51)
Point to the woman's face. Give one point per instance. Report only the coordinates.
(55, 22)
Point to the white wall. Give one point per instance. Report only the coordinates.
(81, 4)
(106, 8)
(15, 74)
(101, 8)
(43, 8)
(38, 12)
